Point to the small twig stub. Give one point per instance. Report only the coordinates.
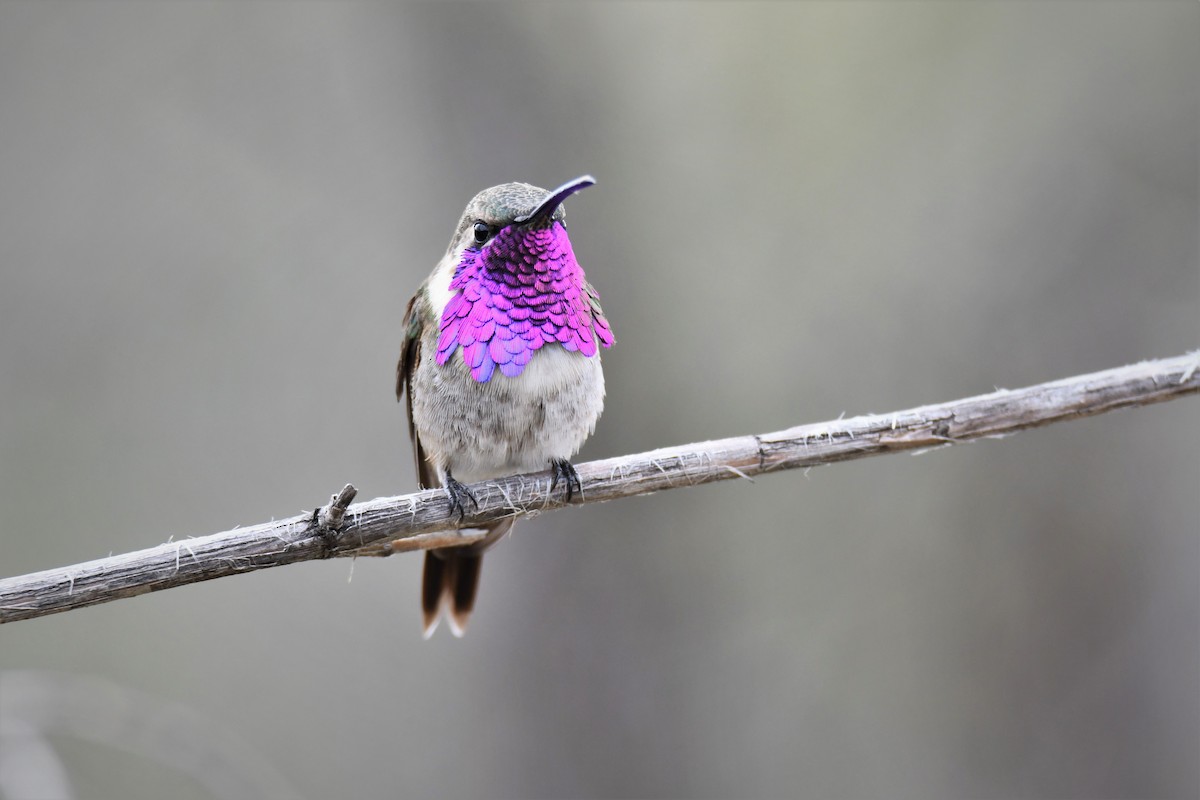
(331, 516)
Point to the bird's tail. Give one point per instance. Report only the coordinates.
(451, 580)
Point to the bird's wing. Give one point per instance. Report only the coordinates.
(600, 324)
(410, 357)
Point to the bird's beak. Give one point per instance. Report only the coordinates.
(554, 199)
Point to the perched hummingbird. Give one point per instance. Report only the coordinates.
(501, 365)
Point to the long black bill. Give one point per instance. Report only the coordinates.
(553, 200)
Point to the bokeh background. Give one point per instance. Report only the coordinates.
(211, 216)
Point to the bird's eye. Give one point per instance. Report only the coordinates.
(482, 232)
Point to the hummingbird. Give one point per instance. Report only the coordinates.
(500, 365)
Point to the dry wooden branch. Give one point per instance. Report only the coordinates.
(424, 520)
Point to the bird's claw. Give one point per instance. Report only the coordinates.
(459, 496)
(563, 471)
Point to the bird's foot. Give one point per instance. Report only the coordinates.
(563, 471)
(459, 496)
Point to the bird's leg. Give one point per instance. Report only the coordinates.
(563, 471)
(459, 496)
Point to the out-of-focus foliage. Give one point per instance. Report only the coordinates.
(212, 215)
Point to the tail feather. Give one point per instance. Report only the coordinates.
(450, 581)
(462, 593)
(432, 580)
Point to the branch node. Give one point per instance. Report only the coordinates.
(327, 520)
(941, 430)
(332, 515)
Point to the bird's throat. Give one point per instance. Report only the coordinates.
(522, 291)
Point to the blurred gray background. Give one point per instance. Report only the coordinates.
(211, 216)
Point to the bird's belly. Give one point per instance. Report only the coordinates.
(507, 425)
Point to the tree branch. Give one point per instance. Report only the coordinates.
(424, 520)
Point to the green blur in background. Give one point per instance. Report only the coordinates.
(211, 216)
